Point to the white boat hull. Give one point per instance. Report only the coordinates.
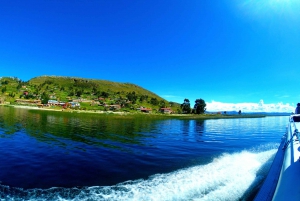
(288, 187)
(282, 182)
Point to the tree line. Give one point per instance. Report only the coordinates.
(199, 107)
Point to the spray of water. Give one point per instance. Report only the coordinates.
(227, 177)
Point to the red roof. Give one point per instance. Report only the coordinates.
(146, 109)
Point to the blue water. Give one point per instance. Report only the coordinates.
(64, 156)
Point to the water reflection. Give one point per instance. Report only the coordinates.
(61, 129)
(41, 144)
(199, 128)
(192, 130)
(56, 127)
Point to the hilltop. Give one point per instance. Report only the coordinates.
(91, 93)
(91, 85)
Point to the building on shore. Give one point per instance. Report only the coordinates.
(28, 102)
(166, 110)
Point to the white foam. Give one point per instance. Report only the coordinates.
(227, 177)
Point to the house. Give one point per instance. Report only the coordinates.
(146, 110)
(61, 103)
(74, 104)
(114, 107)
(69, 104)
(166, 110)
(53, 102)
(29, 102)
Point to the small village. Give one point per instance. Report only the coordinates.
(54, 97)
(75, 104)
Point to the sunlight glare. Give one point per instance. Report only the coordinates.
(273, 7)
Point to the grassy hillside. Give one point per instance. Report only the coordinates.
(93, 93)
(9, 88)
(91, 85)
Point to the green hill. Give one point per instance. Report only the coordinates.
(90, 85)
(91, 92)
(10, 88)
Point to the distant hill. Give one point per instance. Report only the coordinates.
(130, 96)
(92, 85)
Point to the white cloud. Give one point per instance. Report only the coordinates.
(249, 107)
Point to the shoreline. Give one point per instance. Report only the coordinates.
(167, 116)
(58, 110)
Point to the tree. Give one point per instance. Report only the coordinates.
(19, 85)
(5, 82)
(45, 98)
(154, 101)
(186, 106)
(143, 97)
(12, 94)
(71, 93)
(200, 106)
(29, 96)
(79, 92)
(131, 96)
(162, 104)
(104, 94)
(94, 90)
(4, 89)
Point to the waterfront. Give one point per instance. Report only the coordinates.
(54, 155)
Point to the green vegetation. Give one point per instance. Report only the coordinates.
(186, 106)
(99, 95)
(93, 95)
(10, 88)
(199, 107)
(96, 95)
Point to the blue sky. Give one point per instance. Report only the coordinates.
(239, 51)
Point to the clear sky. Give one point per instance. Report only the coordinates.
(233, 52)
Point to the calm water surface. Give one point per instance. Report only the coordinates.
(67, 156)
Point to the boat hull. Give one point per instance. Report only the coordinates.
(268, 188)
(281, 183)
(288, 187)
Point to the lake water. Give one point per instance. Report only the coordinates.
(65, 156)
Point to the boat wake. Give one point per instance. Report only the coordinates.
(227, 177)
